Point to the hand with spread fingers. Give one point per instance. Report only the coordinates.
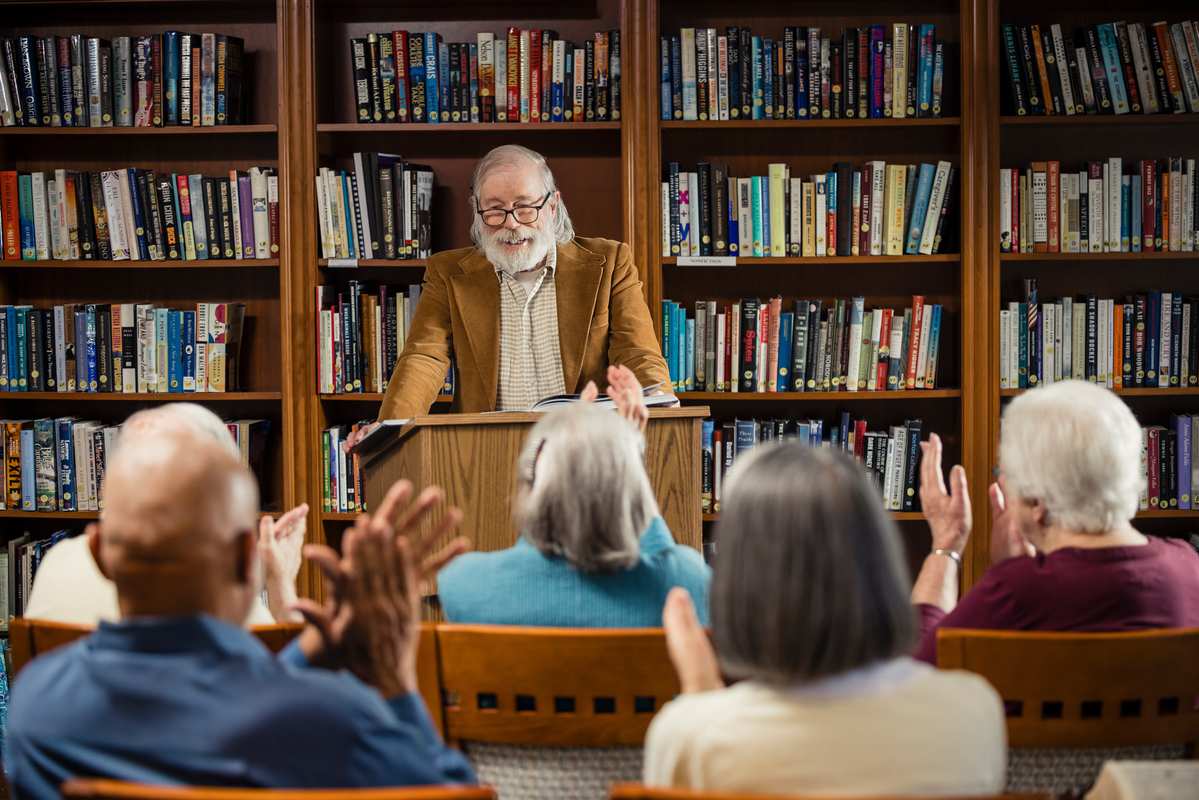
(625, 390)
(371, 623)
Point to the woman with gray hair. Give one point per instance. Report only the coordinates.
(810, 613)
(1064, 554)
(594, 550)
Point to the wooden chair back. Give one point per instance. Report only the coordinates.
(566, 687)
(637, 791)
(29, 638)
(100, 789)
(1071, 690)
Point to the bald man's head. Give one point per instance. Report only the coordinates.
(178, 531)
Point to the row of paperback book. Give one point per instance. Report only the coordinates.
(172, 78)
(1110, 68)
(526, 76)
(1168, 464)
(891, 457)
(360, 335)
(382, 208)
(1099, 209)
(876, 209)
(865, 75)
(139, 215)
(754, 346)
(1147, 340)
(121, 347)
(59, 464)
(19, 563)
(344, 484)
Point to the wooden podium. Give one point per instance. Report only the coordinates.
(473, 458)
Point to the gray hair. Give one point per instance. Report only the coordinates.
(1076, 449)
(513, 156)
(810, 580)
(179, 417)
(582, 492)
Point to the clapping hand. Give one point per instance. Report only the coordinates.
(280, 544)
(625, 390)
(371, 622)
(1006, 539)
(947, 513)
(687, 644)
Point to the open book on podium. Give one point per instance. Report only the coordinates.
(473, 458)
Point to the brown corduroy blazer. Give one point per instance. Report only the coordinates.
(602, 320)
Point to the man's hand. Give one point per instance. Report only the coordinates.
(1006, 539)
(948, 514)
(371, 623)
(688, 645)
(625, 391)
(356, 436)
(279, 549)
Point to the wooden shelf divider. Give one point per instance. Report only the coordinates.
(610, 175)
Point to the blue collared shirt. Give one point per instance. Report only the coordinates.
(520, 586)
(194, 700)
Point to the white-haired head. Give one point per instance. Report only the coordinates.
(1076, 449)
(513, 156)
(582, 492)
(179, 417)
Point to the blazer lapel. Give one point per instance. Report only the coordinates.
(477, 297)
(576, 281)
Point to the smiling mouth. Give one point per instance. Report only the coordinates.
(521, 243)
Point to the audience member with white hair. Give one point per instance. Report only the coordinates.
(594, 550)
(69, 587)
(810, 614)
(1064, 553)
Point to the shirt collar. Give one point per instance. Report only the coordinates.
(200, 632)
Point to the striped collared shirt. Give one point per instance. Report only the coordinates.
(530, 355)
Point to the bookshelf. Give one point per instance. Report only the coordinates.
(591, 162)
(1011, 141)
(609, 172)
(211, 151)
(809, 146)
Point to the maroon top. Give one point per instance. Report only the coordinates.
(1077, 589)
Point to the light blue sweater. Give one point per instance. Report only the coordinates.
(520, 586)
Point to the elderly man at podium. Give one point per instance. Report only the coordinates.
(530, 311)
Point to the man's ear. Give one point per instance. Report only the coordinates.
(246, 544)
(92, 532)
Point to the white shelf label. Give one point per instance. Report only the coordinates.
(707, 261)
(343, 262)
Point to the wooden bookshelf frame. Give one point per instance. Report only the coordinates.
(268, 354)
(303, 127)
(1002, 141)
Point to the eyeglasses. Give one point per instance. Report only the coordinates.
(525, 215)
(996, 472)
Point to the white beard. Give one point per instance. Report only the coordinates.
(526, 258)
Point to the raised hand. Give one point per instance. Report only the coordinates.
(687, 644)
(1006, 539)
(948, 513)
(625, 391)
(280, 545)
(370, 624)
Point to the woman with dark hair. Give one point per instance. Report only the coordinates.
(810, 612)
